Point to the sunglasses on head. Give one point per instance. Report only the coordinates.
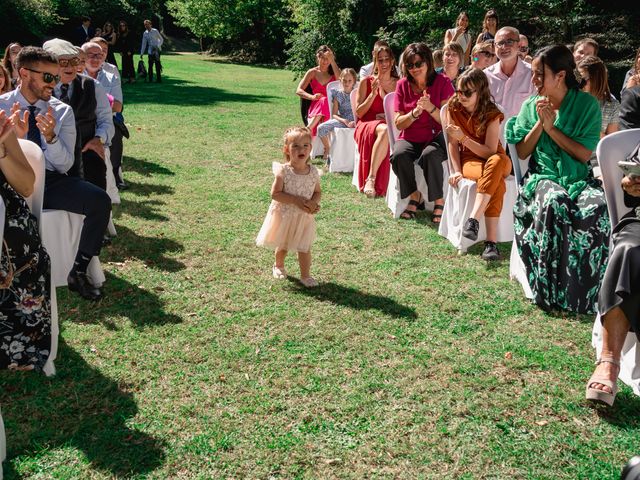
(65, 62)
(507, 43)
(46, 76)
(466, 93)
(411, 66)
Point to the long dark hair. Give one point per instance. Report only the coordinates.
(423, 51)
(377, 51)
(490, 14)
(322, 49)
(559, 58)
(6, 61)
(598, 77)
(485, 106)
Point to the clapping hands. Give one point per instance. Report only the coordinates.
(546, 113)
(424, 103)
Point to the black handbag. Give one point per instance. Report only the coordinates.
(142, 70)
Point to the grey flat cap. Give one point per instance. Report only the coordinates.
(60, 48)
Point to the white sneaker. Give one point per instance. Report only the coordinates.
(309, 282)
(279, 273)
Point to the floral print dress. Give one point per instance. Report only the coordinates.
(25, 282)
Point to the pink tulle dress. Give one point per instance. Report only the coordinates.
(286, 226)
(319, 107)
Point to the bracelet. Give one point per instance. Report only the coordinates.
(415, 118)
(463, 139)
(434, 109)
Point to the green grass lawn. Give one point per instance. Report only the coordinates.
(408, 362)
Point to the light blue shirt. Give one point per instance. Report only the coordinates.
(104, 118)
(151, 39)
(58, 155)
(111, 83)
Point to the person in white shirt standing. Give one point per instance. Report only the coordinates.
(152, 44)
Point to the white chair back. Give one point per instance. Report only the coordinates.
(354, 102)
(35, 157)
(389, 114)
(331, 87)
(610, 150)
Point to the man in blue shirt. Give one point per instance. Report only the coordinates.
(50, 124)
(151, 45)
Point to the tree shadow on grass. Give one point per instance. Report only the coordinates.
(143, 208)
(144, 167)
(150, 250)
(143, 308)
(350, 297)
(79, 408)
(146, 189)
(173, 91)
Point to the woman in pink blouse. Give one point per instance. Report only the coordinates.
(419, 96)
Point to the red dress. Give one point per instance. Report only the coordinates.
(365, 137)
(319, 107)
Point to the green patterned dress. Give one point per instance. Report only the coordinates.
(561, 219)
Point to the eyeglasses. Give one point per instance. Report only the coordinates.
(94, 56)
(486, 54)
(46, 76)
(65, 62)
(466, 93)
(411, 66)
(523, 49)
(510, 42)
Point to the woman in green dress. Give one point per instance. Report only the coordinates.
(561, 220)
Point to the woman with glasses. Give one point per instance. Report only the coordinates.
(452, 55)
(482, 55)
(489, 26)
(420, 94)
(561, 218)
(460, 35)
(126, 45)
(475, 151)
(371, 128)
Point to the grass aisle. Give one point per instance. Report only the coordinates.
(409, 362)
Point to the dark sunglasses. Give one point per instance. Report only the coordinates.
(486, 54)
(411, 66)
(466, 93)
(507, 43)
(46, 76)
(523, 49)
(65, 62)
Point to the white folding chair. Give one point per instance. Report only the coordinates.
(356, 154)
(459, 204)
(611, 149)
(517, 270)
(343, 144)
(396, 204)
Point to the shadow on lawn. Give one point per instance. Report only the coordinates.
(144, 167)
(79, 408)
(624, 413)
(173, 91)
(352, 298)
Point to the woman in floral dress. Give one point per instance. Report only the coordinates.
(25, 304)
(561, 220)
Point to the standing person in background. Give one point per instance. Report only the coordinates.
(489, 26)
(111, 38)
(584, 48)
(9, 62)
(152, 44)
(460, 34)
(125, 45)
(84, 32)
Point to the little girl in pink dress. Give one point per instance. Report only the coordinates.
(290, 223)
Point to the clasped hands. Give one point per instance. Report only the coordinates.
(546, 114)
(308, 205)
(424, 105)
(46, 123)
(631, 185)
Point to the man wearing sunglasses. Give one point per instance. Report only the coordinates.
(523, 49)
(87, 98)
(510, 78)
(50, 124)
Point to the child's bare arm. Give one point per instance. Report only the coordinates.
(279, 195)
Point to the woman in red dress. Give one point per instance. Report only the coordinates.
(318, 77)
(371, 129)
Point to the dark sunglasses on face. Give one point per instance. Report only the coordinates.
(418, 64)
(466, 93)
(510, 42)
(523, 49)
(65, 62)
(46, 76)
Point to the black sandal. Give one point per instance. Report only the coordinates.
(436, 217)
(408, 214)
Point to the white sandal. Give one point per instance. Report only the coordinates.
(600, 396)
(279, 273)
(309, 282)
(370, 187)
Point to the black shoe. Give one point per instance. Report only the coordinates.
(490, 252)
(470, 229)
(106, 241)
(122, 186)
(79, 282)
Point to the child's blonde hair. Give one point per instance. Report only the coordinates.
(349, 71)
(292, 133)
(437, 58)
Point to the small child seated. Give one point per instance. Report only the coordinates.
(341, 112)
